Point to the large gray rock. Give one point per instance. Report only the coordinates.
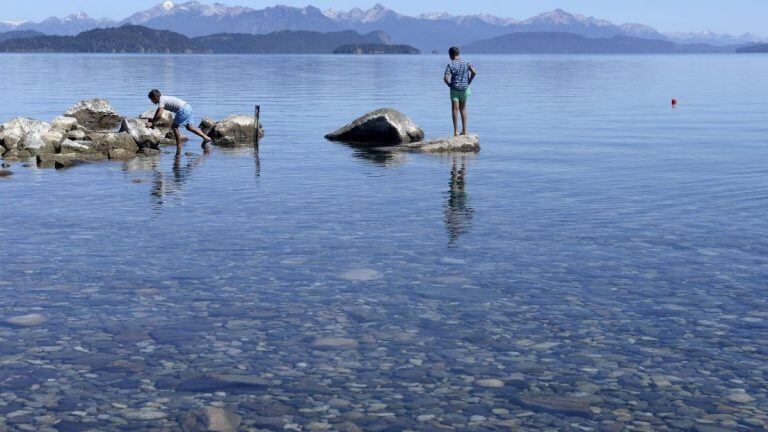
(105, 142)
(13, 134)
(210, 419)
(77, 146)
(65, 124)
(165, 121)
(67, 160)
(141, 133)
(464, 144)
(235, 130)
(95, 114)
(381, 127)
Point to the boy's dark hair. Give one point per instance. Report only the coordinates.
(154, 94)
(453, 52)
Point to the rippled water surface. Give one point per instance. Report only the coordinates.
(599, 265)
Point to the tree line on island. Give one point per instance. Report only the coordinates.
(139, 39)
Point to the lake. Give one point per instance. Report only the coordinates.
(601, 264)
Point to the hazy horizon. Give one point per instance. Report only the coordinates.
(744, 16)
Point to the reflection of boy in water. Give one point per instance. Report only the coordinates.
(458, 213)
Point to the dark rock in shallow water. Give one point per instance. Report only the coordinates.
(68, 160)
(555, 404)
(381, 127)
(5, 173)
(95, 114)
(211, 419)
(222, 382)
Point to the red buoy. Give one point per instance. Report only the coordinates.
(674, 102)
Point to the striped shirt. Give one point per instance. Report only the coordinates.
(459, 72)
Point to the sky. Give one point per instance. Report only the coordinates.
(732, 16)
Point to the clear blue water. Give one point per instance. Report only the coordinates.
(604, 256)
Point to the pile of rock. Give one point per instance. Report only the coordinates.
(92, 131)
(387, 129)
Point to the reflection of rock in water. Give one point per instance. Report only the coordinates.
(458, 213)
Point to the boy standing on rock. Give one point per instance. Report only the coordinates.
(183, 116)
(459, 75)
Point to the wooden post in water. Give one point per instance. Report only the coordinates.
(257, 116)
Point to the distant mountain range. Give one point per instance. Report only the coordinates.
(762, 48)
(569, 43)
(139, 39)
(427, 31)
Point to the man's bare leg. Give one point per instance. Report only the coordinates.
(177, 136)
(455, 109)
(198, 132)
(464, 117)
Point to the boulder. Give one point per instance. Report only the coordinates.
(41, 143)
(5, 173)
(65, 124)
(79, 146)
(240, 129)
(13, 133)
(78, 134)
(104, 142)
(464, 143)
(121, 155)
(210, 419)
(141, 133)
(95, 114)
(165, 121)
(66, 160)
(380, 127)
(206, 125)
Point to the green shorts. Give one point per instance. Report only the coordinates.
(460, 95)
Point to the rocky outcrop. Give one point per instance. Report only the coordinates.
(95, 114)
(92, 131)
(460, 144)
(235, 130)
(379, 128)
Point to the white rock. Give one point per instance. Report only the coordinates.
(30, 320)
(360, 275)
(331, 344)
(490, 383)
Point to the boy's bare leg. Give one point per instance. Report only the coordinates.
(455, 108)
(177, 136)
(464, 117)
(198, 132)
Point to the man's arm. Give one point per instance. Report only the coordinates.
(472, 73)
(447, 79)
(157, 117)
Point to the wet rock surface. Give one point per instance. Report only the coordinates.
(455, 144)
(385, 126)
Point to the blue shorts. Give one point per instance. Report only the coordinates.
(183, 117)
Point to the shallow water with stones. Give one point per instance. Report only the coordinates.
(599, 265)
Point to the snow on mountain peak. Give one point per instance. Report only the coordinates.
(168, 5)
